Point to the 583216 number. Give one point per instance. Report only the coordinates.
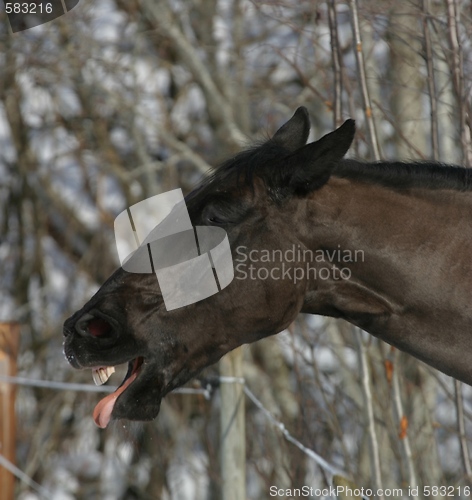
(446, 491)
(28, 8)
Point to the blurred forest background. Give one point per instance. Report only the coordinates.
(123, 99)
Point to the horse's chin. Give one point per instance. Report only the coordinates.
(138, 398)
(140, 413)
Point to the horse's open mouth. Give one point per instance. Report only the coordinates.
(103, 410)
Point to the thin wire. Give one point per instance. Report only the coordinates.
(4, 462)
(51, 384)
(206, 392)
(331, 469)
(67, 386)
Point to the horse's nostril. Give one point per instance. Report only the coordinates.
(81, 326)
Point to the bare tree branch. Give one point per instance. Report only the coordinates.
(218, 107)
(336, 60)
(372, 133)
(432, 93)
(369, 411)
(457, 66)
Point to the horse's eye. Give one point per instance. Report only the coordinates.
(215, 219)
(221, 214)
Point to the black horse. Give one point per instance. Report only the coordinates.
(385, 246)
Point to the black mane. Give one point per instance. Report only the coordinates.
(260, 160)
(404, 175)
(265, 159)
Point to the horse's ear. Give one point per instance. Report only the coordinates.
(310, 167)
(294, 134)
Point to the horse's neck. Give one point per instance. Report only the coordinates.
(414, 282)
(409, 220)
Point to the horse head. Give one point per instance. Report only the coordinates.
(259, 199)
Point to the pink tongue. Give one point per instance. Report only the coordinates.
(102, 412)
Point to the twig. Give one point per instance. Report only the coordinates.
(161, 16)
(457, 63)
(369, 411)
(336, 60)
(399, 132)
(461, 429)
(372, 133)
(432, 91)
(305, 80)
(179, 146)
(405, 440)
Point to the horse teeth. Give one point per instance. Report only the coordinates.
(101, 375)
